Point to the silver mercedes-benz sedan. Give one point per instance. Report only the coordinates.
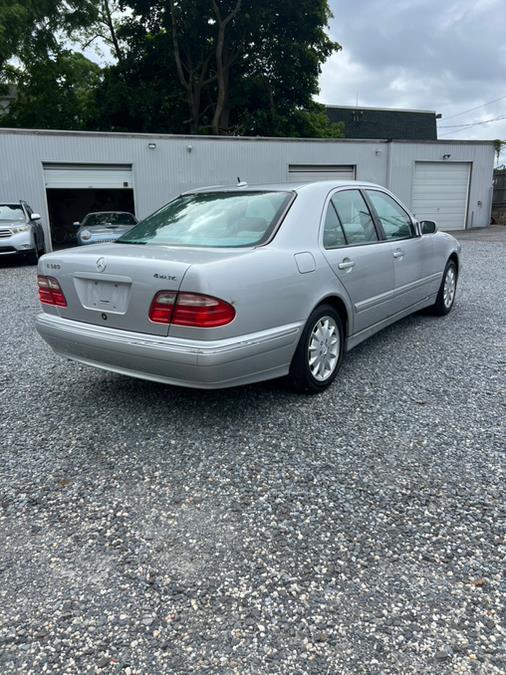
(231, 285)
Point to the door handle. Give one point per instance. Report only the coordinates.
(399, 253)
(346, 264)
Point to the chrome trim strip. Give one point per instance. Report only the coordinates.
(418, 282)
(388, 295)
(372, 302)
(180, 345)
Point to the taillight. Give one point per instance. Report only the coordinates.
(190, 309)
(50, 292)
(202, 311)
(162, 307)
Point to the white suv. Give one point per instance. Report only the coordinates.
(21, 231)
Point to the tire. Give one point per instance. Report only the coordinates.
(307, 378)
(33, 256)
(447, 290)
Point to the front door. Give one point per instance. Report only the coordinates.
(414, 273)
(363, 264)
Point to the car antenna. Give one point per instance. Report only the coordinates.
(241, 183)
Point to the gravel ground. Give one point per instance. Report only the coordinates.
(149, 529)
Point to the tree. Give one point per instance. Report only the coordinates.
(53, 92)
(142, 92)
(204, 66)
(238, 61)
(38, 27)
(105, 26)
(284, 49)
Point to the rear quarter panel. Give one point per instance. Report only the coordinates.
(265, 288)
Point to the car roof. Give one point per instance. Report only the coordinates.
(282, 187)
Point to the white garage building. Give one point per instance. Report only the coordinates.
(65, 174)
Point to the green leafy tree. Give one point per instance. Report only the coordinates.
(141, 93)
(31, 28)
(204, 66)
(244, 66)
(54, 92)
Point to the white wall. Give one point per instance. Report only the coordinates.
(170, 168)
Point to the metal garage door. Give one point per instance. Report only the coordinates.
(88, 176)
(313, 172)
(440, 192)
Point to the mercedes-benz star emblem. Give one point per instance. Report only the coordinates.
(101, 264)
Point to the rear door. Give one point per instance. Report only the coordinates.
(361, 262)
(412, 255)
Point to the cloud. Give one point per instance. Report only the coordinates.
(423, 54)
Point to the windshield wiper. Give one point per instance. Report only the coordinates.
(129, 241)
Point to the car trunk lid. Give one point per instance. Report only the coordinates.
(114, 284)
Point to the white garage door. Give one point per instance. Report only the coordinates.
(440, 192)
(88, 176)
(313, 172)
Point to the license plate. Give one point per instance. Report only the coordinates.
(105, 295)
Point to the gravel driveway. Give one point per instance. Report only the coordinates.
(148, 529)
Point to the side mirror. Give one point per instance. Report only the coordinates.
(428, 226)
(35, 216)
(76, 223)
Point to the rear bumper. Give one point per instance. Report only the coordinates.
(190, 363)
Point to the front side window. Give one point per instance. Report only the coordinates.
(11, 212)
(355, 217)
(212, 219)
(395, 221)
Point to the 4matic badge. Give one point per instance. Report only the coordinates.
(164, 276)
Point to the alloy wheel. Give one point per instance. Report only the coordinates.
(449, 287)
(323, 349)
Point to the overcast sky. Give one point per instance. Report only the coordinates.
(424, 54)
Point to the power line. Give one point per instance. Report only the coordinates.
(472, 124)
(495, 100)
(455, 131)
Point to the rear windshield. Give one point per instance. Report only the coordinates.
(11, 212)
(216, 220)
(109, 219)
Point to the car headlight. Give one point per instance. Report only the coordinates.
(20, 228)
(85, 234)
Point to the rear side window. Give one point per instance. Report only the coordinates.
(333, 235)
(395, 221)
(355, 217)
(214, 220)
